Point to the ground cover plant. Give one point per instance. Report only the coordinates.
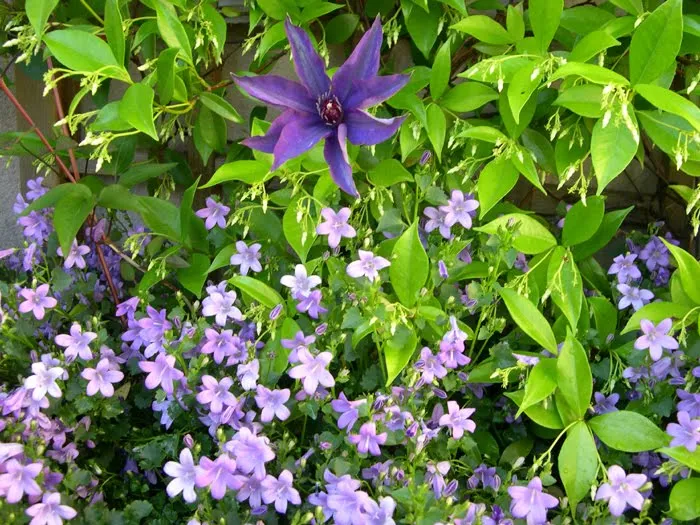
(348, 316)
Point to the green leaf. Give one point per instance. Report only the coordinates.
(409, 266)
(584, 99)
(468, 96)
(574, 376)
(544, 413)
(257, 290)
(194, 276)
(628, 431)
(143, 172)
(541, 148)
(578, 463)
(605, 315)
(592, 45)
(437, 127)
(685, 499)
(689, 269)
(515, 129)
(220, 106)
(51, 197)
(272, 369)
(531, 237)
(633, 7)
(541, 383)
(656, 42)
(317, 10)
(38, 12)
(485, 29)
(495, 182)
(544, 19)
(607, 230)
(341, 28)
(114, 30)
(135, 511)
(161, 216)
(248, 171)
(485, 133)
(591, 72)
(522, 86)
(525, 164)
(529, 319)
(398, 351)
(172, 30)
(583, 220)
(70, 213)
(683, 456)
(81, 51)
(118, 197)
(515, 22)
(389, 172)
(440, 75)
(422, 27)
(567, 288)
(166, 75)
(612, 149)
(667, 100)
(136, 108)
(223, 258)
(300, 234)
(656, 312)
(666, 130)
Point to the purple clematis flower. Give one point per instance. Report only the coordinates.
(656, 338)
(320, 108)
(622, 490)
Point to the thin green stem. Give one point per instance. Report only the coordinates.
(92, 12)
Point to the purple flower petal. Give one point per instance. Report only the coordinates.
(336, 155)
(362, 64)
(371, 92)
(299, 136)
(277, 91)
(366, 130)
(266, 143)
(309, 66)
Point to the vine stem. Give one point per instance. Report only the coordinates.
(73, 176)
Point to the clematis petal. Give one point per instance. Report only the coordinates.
(362, 64)
(371, 92)
(277, 91)
(336, 154)
(299, 136)
(364, 129)
(266, 143)
(309, 66)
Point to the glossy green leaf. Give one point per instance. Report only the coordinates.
(248, 171)
(271, 369)
(656, 42)
(485, 133)
(437, 128)
(666, 100)
(409, 266)
(496, 180)
(440, 76)
(656, 312)
(38, 12)
(583, 99)
(484, 29)
(340, 28)
(194, 276)
(583, 220)
(529, 319)
(300, 232)
(612, 149)
(541, 383)
(633, 7)
(544, 413)
(628, 431)
(166, 75)
(683, 456)
(70, 213)
(689, 269)
(389, 172)
(578, 463)
(222, 258)
(81, 51)
(257, 290)
(685, 499)
(531, 237)
(468, 96)
(525, 164)
(422, 27)
(114, 30)
(143, 172)
(522, 86)
(398, 351)
(566, 285)
(544, 19)
(220, 106)
(605, 315)
(574, 376)
(136, 108)
(591, 72)
(592, 45)
(515, 22)
(172, 30)
(606, 231)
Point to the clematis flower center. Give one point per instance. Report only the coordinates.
(329, 109)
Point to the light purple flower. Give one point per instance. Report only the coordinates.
(656, 338)
(101, 378)
(531, 503)
(655, 254)
(312, 304)
(214, 213)
(75, 256)
(216, 393)
(299, 342)
(50, 511)
(18, 480)
(248, 374)
(459, 209)
(605, 405)
(128, 307)
(272, 403)
(321, 108)
(436, 220)
(458, 419)
(217, 475)
(76, 344)
(36, 188)
(380, 513)
(486, 477)
(280, 491)
(631, 295)
(300, 283)
(336, 226)
(36, 301)
(312, 371)
(43, 381)
(623, 266)
(185, 474)
(430, 365)
(685, 433)
(348, 411)
(247, 257)
(367, 266)
(161, 372)
(221, 344)
(345, 501)
(250, 451)
(689, 403)
(368, 440)
(249, 488)
(435, 476)
(621, 490)
(220, 305)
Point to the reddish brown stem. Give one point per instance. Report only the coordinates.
(64, 126)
